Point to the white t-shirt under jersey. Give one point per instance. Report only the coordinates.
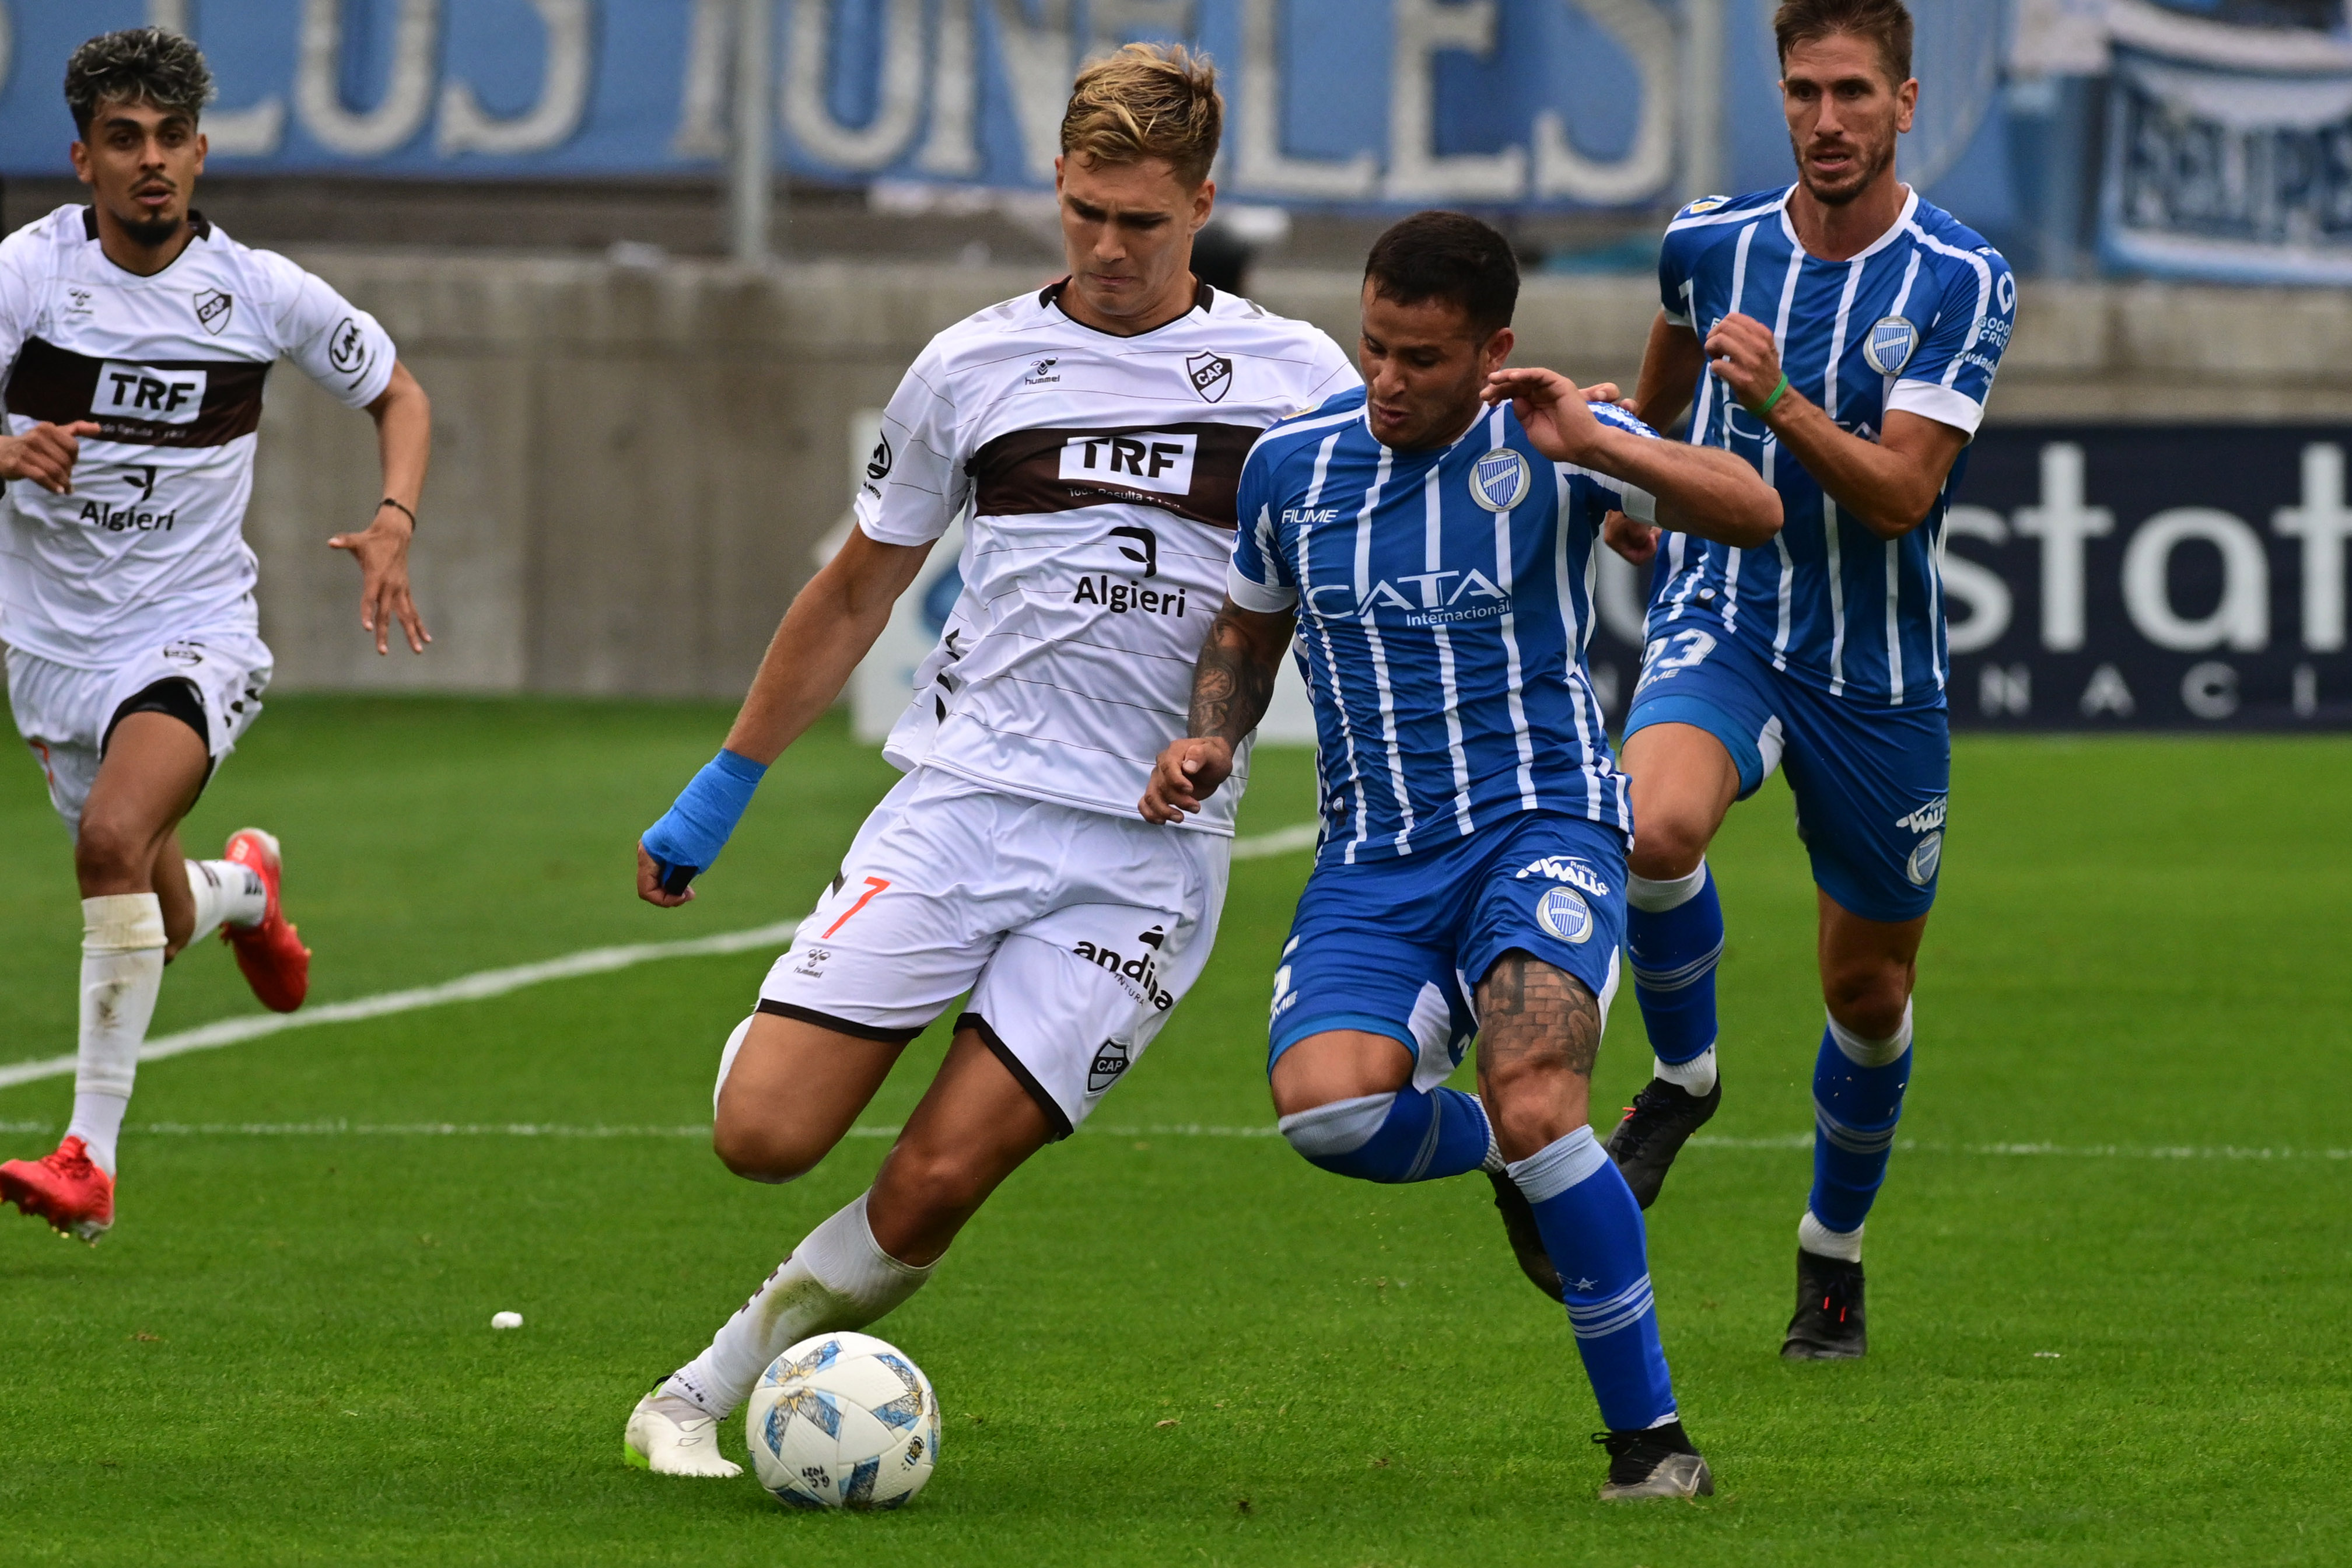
(171, 367)
(1101, 473)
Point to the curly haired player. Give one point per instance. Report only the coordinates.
(137, 337)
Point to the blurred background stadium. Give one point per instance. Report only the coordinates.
(658, 261)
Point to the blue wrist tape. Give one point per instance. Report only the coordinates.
(690, 834)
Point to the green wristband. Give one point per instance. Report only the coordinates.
(1778, 392)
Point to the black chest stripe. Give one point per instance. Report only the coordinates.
(1190, 469)
(59, 386)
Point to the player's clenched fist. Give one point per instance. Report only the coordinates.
(44, 455)
(1187, 773)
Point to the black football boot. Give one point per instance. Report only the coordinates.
(1526, 1241)
(1659, 1122)
(1659, 1462)
(1828, 1324)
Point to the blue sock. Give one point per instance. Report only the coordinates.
(1673, 936)
(1857, 1099)
(1592, 1228)
(1407, 1136)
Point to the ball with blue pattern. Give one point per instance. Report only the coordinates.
(843, 1421)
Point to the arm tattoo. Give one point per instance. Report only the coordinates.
(1528, 1010)
(1231, 684)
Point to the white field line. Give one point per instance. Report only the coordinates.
(491, 982)
(700, 1131)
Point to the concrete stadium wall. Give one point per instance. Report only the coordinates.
(632, 466)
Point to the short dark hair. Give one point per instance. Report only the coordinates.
(1450, 256)
(137, 65)
(1885, 23)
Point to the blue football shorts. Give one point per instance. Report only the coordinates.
(1396, 946)
(1871, 781)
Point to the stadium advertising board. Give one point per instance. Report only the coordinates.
(1530, 102)
(2127, 577)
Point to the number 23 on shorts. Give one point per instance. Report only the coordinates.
(1690, 649)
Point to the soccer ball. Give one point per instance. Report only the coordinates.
(843, 1421)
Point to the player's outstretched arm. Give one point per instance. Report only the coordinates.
(403, 434)
(830, 625)
(1232, 685)
(1887, 485)
(1699, 489)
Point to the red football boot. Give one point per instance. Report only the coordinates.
(65, 1188)
(270, 953)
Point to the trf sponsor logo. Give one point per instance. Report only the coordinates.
(1160, 461)
(149, 395)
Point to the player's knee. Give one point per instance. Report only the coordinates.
(763, 1153)
(1667, 845)
(111, 852)
(1333, 1135)
(936, 1179)
(1869, 1001)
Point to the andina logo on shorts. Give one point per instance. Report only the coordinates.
(1566, 869)
(1141, 972)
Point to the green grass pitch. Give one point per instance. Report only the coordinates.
(1161, 1343)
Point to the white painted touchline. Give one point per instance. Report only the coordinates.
(701, 1130)
(491, 982)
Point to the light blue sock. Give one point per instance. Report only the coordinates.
(1858, 1086)
(1592, 1228)
(1673, 938)
(1407, 1136)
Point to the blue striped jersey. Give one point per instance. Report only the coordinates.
(1917, 322)
(1444, 600)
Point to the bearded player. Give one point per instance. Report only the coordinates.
(1097, 429)
(138, 336)
(1841, 335)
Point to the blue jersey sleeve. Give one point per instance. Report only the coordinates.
(1678, 256)
(1259, 577)
(1596, 492)
(1951, 376)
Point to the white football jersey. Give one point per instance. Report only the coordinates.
(1101, 474)
(169, 368)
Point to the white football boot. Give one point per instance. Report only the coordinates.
(673, 1436)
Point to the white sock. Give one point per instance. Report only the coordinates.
(1672, 893)
(122, 971)
(1695, 1076)
(98, 1122)
(227, 894)
(1822, 1242)
(837, 1277)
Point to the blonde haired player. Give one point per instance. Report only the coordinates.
(1097, 429)
(137, 337)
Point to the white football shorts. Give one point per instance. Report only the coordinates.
(1075, 932)
(66, 714)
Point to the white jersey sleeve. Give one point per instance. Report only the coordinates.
(336, 343)
(20, 292)
(916, 482)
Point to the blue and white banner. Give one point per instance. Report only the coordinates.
(1541, 103)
